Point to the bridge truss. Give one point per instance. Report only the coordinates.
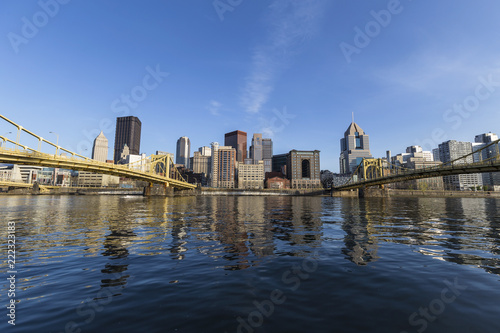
(158, 169)
(378, 172)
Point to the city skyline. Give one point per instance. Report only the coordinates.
(279, 69)
(357, 137)
(354, 138)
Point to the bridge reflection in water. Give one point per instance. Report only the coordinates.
(205, 257)
(240, 232)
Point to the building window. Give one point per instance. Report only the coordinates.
(358, 143)
(306, 169)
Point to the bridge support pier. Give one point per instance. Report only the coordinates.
(158, 190)
(362, 192)
(373, 192)
(36, 188)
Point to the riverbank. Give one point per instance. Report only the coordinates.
(156, 191)
(378, 193)
(264, 192)
(75, 191)
(206, 191)
(444, 194)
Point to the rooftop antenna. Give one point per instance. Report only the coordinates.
(353, 117)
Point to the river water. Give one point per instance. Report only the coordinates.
(252, 264)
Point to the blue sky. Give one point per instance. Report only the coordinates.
(413, 72)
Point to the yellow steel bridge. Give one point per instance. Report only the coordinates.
(156, 169)
(378, 172)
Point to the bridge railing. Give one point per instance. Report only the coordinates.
(74, 157)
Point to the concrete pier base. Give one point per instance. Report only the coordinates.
(344, 194)
(372, 192)
(156, 190)
(36, 188)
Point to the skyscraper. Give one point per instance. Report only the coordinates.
(267, 149)
(452, 150)
(237, 140)
(251, 176)
(279, 163)
(354, 146)
(201, 163)
(491, 180)
(223, 173)
(100, 148)
(267, 154)
(256, 148)
(205, 151)
(303, 169)
(183, 151)
(128, 132)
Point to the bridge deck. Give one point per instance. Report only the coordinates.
(448, 170)
(48, 160)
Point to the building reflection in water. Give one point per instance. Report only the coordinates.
(251, 216)
(492, 208)
(470, 233)
(238, 232)
(459, 230)
(115, 247)
(455, 230)
(178, 245)
(279, 213)
(116, 244)
(296, 224)
(360, 216)
(307, 224)
(169, 222)
(231, 232)
(247, 228)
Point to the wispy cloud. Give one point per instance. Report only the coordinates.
(290, 22)
(214, 108)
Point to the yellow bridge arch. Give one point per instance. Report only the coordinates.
(158, 169)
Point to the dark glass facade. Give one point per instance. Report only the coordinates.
(237, 140)
(128, 131)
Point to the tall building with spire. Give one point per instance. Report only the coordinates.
(354, 146)
(100, 148)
